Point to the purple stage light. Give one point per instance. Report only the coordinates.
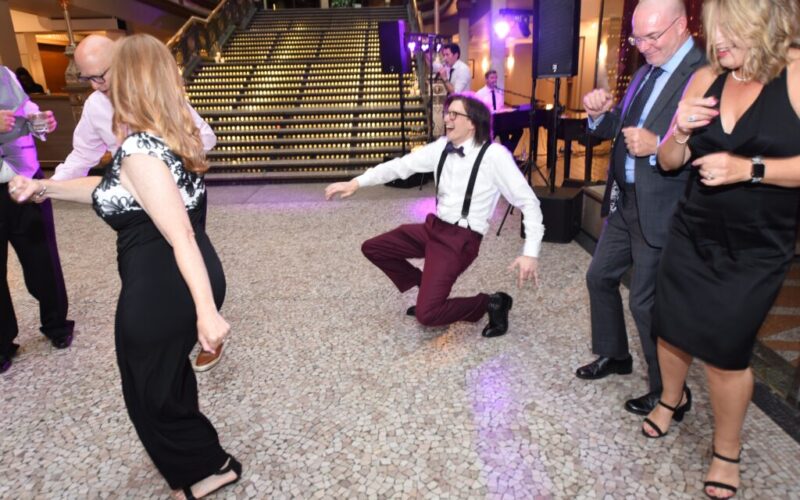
(424, 47)
(501, 29)
(412, 45)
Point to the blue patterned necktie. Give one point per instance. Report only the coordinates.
(634, 112)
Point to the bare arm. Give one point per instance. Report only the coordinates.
(673, 151)
(150, 182)
(80, 190)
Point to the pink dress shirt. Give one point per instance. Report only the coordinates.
(93, 137)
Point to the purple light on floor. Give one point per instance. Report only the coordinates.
(421, 208)
(499, 404)
(501, 29)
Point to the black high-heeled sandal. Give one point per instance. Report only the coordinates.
(717, 484)
(233, 465)
(678, 413)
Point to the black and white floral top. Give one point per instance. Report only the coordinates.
(111, 199)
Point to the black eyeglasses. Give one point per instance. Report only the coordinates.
(98, 79)
(638, 41)
(453, 114)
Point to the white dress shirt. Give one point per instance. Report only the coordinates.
(498, 174)
(93, 137)
(485, 95)
(459, 75)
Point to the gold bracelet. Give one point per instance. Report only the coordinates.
(675, 133)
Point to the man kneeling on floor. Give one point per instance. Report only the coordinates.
(471, 173)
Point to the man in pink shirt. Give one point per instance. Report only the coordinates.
(94, 136)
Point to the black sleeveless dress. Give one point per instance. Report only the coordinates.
(730, 247)
(156, 323)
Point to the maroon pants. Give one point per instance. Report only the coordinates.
(448, 251)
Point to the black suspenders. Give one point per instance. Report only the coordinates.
(470, 184)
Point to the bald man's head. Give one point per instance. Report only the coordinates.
(93, 57)
(660, 28)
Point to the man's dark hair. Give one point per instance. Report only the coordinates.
(490, 72)
(477, 113)
(453, 47)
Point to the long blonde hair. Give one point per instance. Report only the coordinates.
(147, 94)
(769, 27)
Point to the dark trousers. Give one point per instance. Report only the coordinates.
(621, 247)
(30, 231)
(448, 251)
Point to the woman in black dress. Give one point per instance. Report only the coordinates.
(733, 236)
(153, 196)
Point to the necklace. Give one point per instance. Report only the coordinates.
(739, 78)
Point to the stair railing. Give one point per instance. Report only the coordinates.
(200, 39)
(423, 71)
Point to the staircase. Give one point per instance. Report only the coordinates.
(299, 95)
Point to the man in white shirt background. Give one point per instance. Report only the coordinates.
(491, 96)
(94, 136)
(494, 98)
(455, 74)
(471, 173)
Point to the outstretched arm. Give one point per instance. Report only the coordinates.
(150, 182)
(23, 189)
(343, 189)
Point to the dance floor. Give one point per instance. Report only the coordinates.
(328, 390)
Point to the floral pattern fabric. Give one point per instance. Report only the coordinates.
(111, 198)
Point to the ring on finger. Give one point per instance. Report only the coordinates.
(11, 191)
(691, 119)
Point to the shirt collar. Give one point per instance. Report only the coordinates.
(670, 66)
(469, 145)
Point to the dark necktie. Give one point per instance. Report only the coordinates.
(450, 75)
(494, 102)
(452, 149)
(634, 112)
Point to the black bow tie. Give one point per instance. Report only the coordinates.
(452, 149)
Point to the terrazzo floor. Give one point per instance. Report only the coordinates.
(327, 389)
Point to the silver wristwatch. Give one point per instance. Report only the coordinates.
(757, 174)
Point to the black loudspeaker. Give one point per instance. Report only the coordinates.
(557, 25)
(394, 53)
(562, 212)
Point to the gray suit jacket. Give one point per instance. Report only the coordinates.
(657, 191)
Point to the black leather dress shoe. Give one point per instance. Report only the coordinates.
(411, 311)
(62, 342)
(605, 366)
(643, 405)
(499, 305)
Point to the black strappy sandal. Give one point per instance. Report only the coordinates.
(716, 484)
(677, 414)
(233, 465)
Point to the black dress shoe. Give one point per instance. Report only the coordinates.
(62, 342)
(411, 311)
(499, 305)
(5, 359)
(605, 366)
(643, 405)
